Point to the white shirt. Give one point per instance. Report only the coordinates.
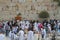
(48, 25)
(12, 36)
(39, 24)
(26, 27)
(58, 24)
(21, 35)
(27, 22)
(23, 25)
(30, 35)
(43, 31)
(36, 26)
(15, 29)
(2, 37)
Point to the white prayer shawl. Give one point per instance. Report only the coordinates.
(12, 36)
(23, 25)
(15, 37)
(5, 23)
(4, 27)
(26, 27)
(44, 24)
(49, 27)
(20, 22)
(30, 35)
(2, 37)
(58, 24)
(14, 29)
(28, 23)
(36, 26)
(44, 32)
(21, 35)
(39, 24)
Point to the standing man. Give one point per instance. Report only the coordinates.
(30, 35)
(2, 36)
(7, 28)
(36, 26)
(43, 33)
(21, 34)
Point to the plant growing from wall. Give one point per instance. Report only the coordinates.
(43, 14)
(19, 14)
(58, 1)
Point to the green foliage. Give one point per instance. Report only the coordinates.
(43, 14)
(56, 0)
(59, 3)
(19, 14)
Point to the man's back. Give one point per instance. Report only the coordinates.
(30, 35)
(21, 35)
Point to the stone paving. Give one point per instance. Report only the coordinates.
(36, 37)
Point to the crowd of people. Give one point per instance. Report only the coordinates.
(16, 30)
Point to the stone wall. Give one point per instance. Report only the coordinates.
(28, 8)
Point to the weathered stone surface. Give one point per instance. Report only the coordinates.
(10, 8)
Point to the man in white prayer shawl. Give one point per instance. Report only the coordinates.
(23, 25)
(36, 26)
(27, 26)
(2, 36)
(43, 32)
(58, 26)
(14, 29)
(5, 23)
(12, 36)
(28, 23)
(30, 35)
(21, 34)
(49, 27)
